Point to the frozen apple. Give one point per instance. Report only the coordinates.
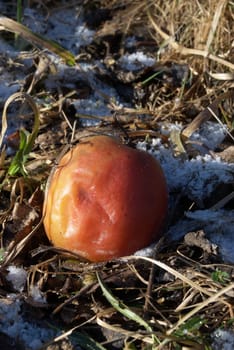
(105, 200)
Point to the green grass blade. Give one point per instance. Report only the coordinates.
(36, 39)
(17, 163)
(121, 307)
(19, 12)
(26, 138)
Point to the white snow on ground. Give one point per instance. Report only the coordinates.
(223, 340)
(66, 27)
(210, 134)
(196, 178)
(136, 60)
(13, 324)
(17, 276)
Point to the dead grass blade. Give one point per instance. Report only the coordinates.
(219, 121)
(26, 139)
(124, 332)
(185, 51)
(214, 24)
(18, 247)
(212, 297)
(17, 28)
(201, 306)
(222, 76)
(205, 115)
(174, 272)
(178, 147)
(178, 275)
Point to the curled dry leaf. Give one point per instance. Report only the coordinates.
(198, 239)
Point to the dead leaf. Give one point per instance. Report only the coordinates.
(198, 239)
(227, 155)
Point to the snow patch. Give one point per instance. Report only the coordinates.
(135, 61)
(13, 324)
(223, 339)
(17, 276)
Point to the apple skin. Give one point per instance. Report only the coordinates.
(105, 200)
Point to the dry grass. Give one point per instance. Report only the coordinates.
(198, 34)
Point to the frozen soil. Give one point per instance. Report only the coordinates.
(126, 84)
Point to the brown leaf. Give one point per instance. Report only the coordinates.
(198, 239)
(227, 155)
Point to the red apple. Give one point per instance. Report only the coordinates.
(105, 200)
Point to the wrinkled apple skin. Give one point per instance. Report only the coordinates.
(105, 200)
